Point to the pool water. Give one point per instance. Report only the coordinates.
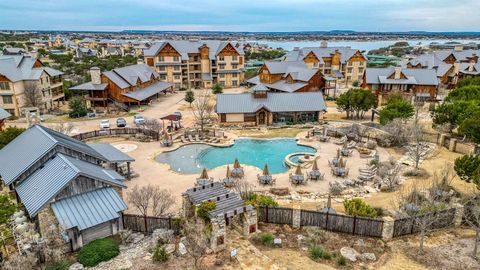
(193, 158)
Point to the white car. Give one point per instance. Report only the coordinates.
(105, 124)
(138, 120)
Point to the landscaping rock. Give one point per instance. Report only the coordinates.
(76, 266)
(349, 253)
(170, 248)
(182, 250)
(368, 256)
(163, 236)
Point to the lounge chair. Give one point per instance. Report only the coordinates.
(340, 141)
(182, 139)
(197, 139)
(351, 145)
(190, 138)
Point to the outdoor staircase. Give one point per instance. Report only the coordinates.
(117, 104)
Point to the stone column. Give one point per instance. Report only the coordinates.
(442, 140)
(453, 145)
(249, 220)
(296, 216)
(217, 238)
(187, 207)
(388, 224)
(457, 221)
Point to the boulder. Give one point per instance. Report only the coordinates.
(76, 266)
(182, 250)
(163, 236)
(169, 248)
(367, 256)
(349, 253)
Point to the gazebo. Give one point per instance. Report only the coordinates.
(118, 160)
(315, 173)
(266, 178)
(204, 179)
(237, 171)
(228, 181)
(174, 120)
(298, 177)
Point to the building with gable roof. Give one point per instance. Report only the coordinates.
(197, 63)
(65, 183)
(22, 79)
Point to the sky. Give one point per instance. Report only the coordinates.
(233, 15)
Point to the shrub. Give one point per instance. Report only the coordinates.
(260, 200)
(189, 97)
(266, 239)
(8, 134)
(59, 265)
(217, 89)
(468, 167)
(341, 261)
(315, 252)
(160, 254)
(379, 210)
(396, 107)
(326, 255)
(78, 107)
(416, 173)
(97, 251)
(357, 207)
(204, 208)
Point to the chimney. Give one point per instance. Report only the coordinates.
(140, 61)
(458, 48)
(471, 65)
(95, 75)
(323, 44)
(398, 72)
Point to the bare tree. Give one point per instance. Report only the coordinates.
(243, 188)
(33, 95)
(399, 131)
(389, 173)
(425, 210)
(151, 199)
(196, 238)
(65, 128)
(472, 218)
(152, 124)
(417, 149)
(202, 108)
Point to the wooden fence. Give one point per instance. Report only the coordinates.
(276, 215)
(148, 224)
(117, 132)
(411, 225)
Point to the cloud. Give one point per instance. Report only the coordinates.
(234, 15)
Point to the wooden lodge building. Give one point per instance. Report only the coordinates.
(289, 77)
(122, 87)
(261, 107)
(418, 84)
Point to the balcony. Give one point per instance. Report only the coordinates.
(96, 98)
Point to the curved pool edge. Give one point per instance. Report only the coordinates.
(290, 164)
(190, 143)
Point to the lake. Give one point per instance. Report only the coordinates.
(360, 45)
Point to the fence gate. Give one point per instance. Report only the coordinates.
(276, 215)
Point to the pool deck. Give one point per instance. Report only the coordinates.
(152, 172)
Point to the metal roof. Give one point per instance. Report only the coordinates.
(141, 94)
(30, 146)
(89, 86)
(127, 76)
(321, 52)
(275, 102)
(89, 209)
(185, 47)
(417, 76)
(259, 87)
(111, 153)
(21, 67)
(46, 182)
(4, 114)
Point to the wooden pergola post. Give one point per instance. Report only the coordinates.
(129, 177)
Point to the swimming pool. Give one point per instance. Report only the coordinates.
(192, 158)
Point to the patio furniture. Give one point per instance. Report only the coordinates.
(237, 171)
(351, 144)
(297, 178)
(346, 152)
(204, 179)
(315, 173)
(340, 171)
(228, 181)
(340, 141)
(197, 139)
(182, 139)
(190, 138)
(266, 178)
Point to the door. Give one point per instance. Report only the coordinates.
(261, 118)
(99, 231)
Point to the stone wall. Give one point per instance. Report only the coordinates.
(217, 238)
(250, 222)
(50, 229)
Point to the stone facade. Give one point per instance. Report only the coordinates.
(249, 222)
(388, 225)
(49, 227)
(296, 216)
(217, 238)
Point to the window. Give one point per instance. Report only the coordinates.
(163, 77)
(349, 64)
(315, 64)
(161, 59)
(176, 68)
(222, 75)
(161, 68)
(234, 66)
(7, 99)
(176, 77)
(221, 58)
(234, 83)
(360, 70)
(265, 71)
(175, 59)
(234, 75)
(10, 111)
(349, 70)
(222, 83)
(4, 86)
(221, 66)
(234, 58)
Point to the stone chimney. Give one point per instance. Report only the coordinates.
(140, 61)
(323, 44)
(471, 65)
(95, 75)
(458, 48)
(398, 72)
(104, 52)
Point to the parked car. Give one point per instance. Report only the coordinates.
(179, 114)
(105, 123)
(121, 122)
(138, 120)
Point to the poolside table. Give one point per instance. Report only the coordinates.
(335, 161)
(297, 179)
(265, 179)
(315, 175)
(228, 182)
(237, 172)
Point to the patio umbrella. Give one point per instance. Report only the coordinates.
(229, 173)
(329, 201)
(236, 164)
(265, 170)
(340, 163)
(298, 171)
(315, 165)
(338, 153)
(204, 174)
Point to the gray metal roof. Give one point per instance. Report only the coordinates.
(144, 93)
(30, 146)
(4, 114)
(259, 87)
(88, 209)
(415, 76)
(320, 52)
(184, 47)
(274, 102)
(21, 67)
(46, 182)
(206, 77)
(127, 76)
(89, 86)
(111, 153)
